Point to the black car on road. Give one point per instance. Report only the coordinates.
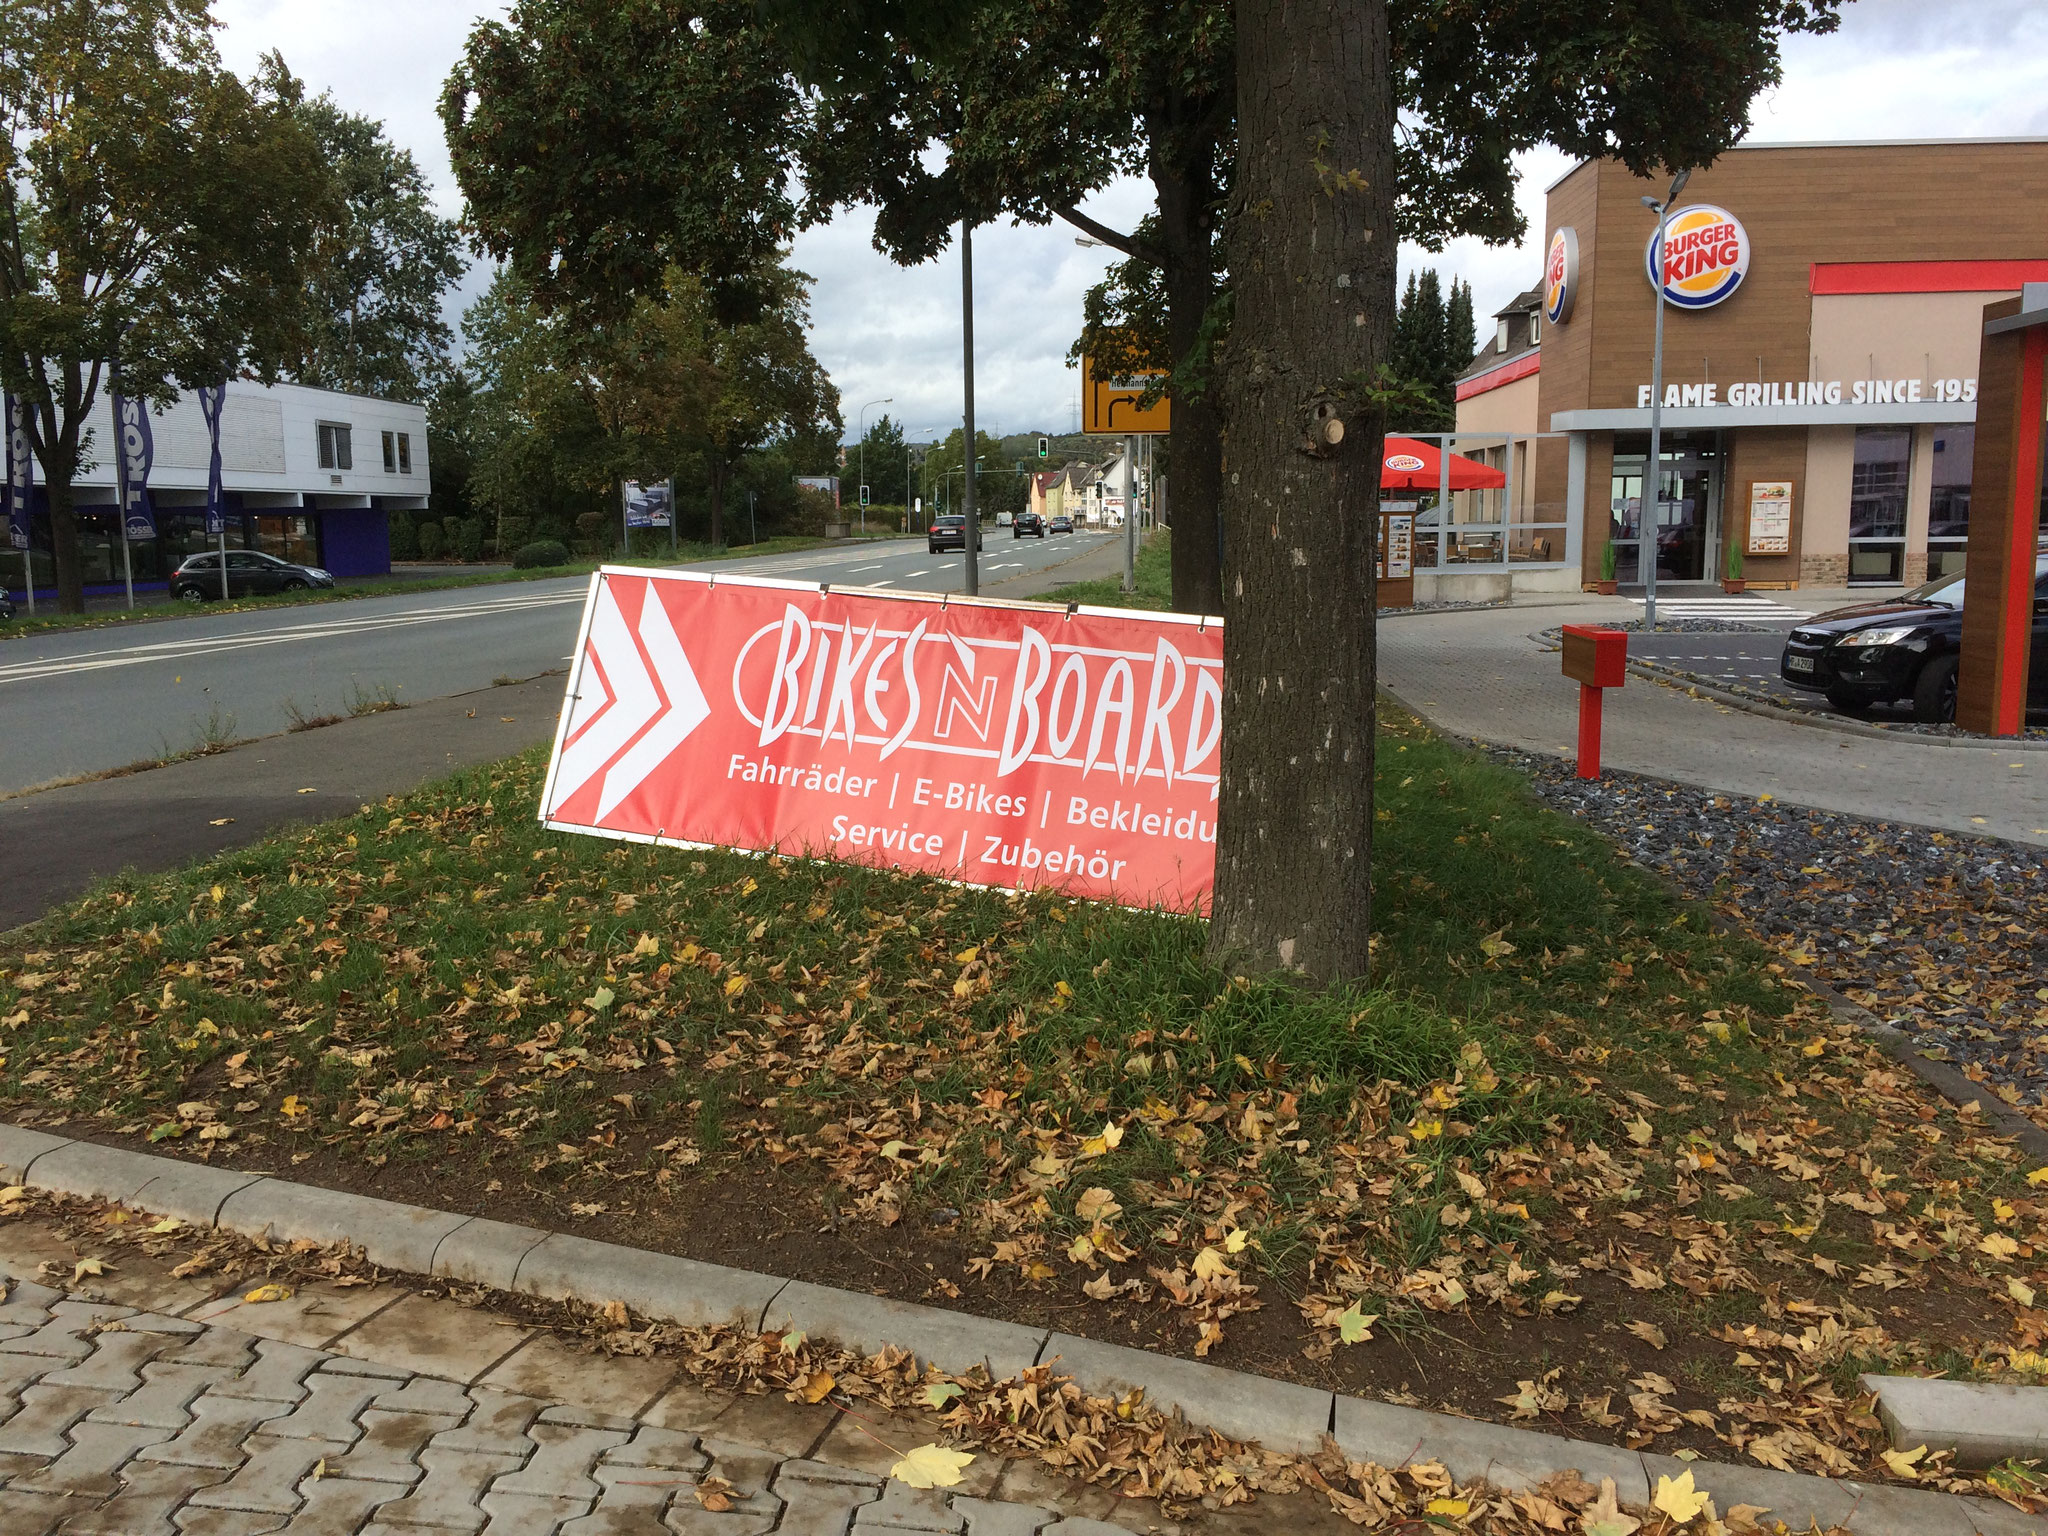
(1902, 648)
(950, 532)
(1028, 522)
(251, 573)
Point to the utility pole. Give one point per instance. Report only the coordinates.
(1650, 523)
(1130, 515)
(973, 530)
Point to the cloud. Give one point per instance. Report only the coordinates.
(1894, 69)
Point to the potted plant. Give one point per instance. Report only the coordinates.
(1606, 584)
(1731, 580)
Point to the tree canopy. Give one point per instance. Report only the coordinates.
(153, 209)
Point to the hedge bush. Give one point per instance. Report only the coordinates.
(541, 552)
(432, 540)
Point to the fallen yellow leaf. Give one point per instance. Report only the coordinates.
(1678, 1498)
(930, 1466)
(818, 1385)
(1902, 1462)
(264, 1293)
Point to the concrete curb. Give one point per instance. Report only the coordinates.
(1983, 1422)
(1280, 1415)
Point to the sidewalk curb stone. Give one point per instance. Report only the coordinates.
(1509, 1457)
(1283, 1416)
(1983, 1422)
(867, 1323)
(485, 1252)
(1280, 1415)
(686, 1291)
(395, 1236)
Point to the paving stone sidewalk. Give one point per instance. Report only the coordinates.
(119, 1422)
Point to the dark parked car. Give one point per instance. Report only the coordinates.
(1902, 648)
(250, 574)
(6, 606)
(950, 532)
(1062, 524)
(1028, 522)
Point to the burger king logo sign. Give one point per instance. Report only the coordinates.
(1706, 256)
(1561, 275)
(1408, 463)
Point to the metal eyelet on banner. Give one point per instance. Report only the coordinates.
(824, 589)
(1072, 609)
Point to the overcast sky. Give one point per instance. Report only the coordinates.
(1896, 69)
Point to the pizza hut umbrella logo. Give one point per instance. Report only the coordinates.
(1561, 275)
(1706, 256)
(1407, 463)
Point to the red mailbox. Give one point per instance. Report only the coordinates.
(1596, 659)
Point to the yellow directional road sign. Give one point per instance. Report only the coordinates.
(1110, 405)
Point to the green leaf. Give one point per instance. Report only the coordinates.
(601, 999)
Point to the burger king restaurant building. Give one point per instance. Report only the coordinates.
(1824, 309)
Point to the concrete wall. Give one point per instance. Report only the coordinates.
(1824, 528)
(1925, 336)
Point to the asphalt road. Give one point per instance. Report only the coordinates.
(85, 702)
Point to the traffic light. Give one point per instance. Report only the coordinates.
(863, 495)
(1045, 447)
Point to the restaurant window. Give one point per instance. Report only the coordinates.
(405, 453)
(1877, 506)
(288, 537)
(1948, 508)
(335, 451)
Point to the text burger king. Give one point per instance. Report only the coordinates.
(1002, 744)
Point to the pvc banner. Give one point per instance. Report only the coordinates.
(135, 452)
(212, 400)
(20, 475)
(1017, 745)
(649, 506)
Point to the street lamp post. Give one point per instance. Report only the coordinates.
(969, 447)
(886, 400)
(1649, 522)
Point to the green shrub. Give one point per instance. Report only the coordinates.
(467, 537)
(540, 553)
(405, 538)
(432, 541)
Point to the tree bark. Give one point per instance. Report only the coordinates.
(717, 500)
(1312, 268)
(64, 552)
(1183, 177)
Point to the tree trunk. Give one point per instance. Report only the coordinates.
(1184, 179)
(717, 501)
(64, 551)
(1312, 269)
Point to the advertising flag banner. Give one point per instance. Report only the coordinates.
(212, 399)
(20, 476)
(1018, 745)
(135, 452)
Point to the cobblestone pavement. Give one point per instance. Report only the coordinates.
(119, 1422)
(1480, 675)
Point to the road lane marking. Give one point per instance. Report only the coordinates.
(338, 628)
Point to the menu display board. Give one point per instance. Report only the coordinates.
(1400, 546)
(1770, 517)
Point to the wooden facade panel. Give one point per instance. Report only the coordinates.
(1762, 453)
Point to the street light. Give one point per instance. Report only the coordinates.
(886, 400)
(1649, 522)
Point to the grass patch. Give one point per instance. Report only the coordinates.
(1153, 571)
(1563, 1102)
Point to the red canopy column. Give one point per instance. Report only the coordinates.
(2005, 515)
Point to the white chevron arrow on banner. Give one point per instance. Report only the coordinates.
(644, 700)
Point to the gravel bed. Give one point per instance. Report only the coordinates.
(1942, 935)
(1388, 613)
(1681, 627)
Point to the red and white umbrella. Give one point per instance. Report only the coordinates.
(1409, 465)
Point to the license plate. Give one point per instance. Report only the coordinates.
(1798, 663)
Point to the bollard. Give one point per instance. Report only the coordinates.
(1596, 659)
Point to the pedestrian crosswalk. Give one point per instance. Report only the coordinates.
(1740, 606)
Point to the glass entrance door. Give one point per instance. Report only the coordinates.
(1688, 529)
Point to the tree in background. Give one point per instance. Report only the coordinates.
(152, 208)
(1432, 343)
(882, 450)
(386, 261)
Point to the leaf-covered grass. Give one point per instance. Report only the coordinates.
(1559, 1090)
(686, 554)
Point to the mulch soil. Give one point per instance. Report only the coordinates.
(1576, 1161)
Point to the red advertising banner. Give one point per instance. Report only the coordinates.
(1003, 744)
